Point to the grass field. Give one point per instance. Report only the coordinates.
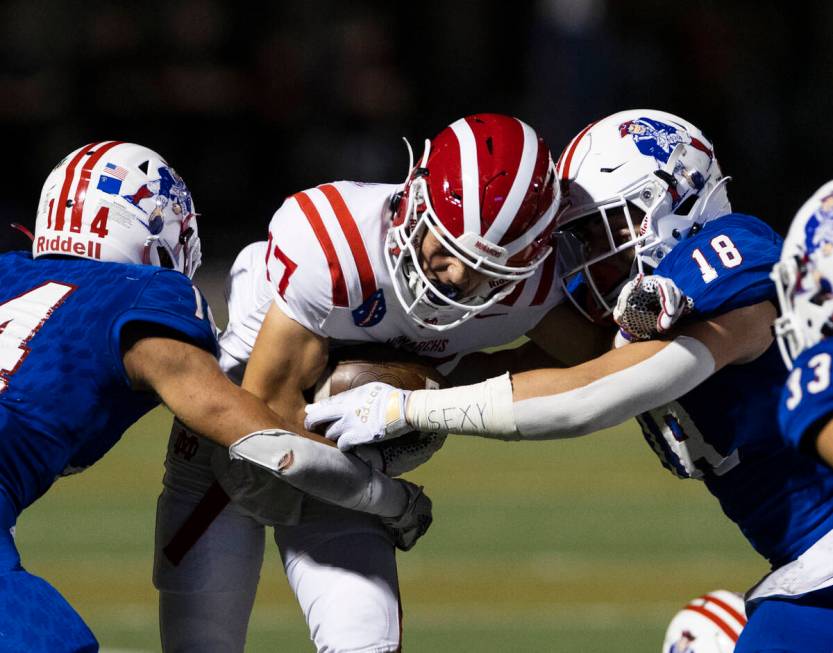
(584, 545)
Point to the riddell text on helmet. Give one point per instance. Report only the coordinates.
(67, 245)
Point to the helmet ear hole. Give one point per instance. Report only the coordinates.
(688, 203)
(165, 259)
(143, 166)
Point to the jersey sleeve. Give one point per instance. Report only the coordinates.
(807, 399)
(169, 299)
(297, 269)
(726, 266)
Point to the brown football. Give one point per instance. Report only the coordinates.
(350, 367)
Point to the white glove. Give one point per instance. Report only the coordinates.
(370, 413)
(648, 306)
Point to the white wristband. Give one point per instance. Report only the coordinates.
(483, 409)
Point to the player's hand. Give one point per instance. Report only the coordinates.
(363, 415)
(648, 306)
(414, 522)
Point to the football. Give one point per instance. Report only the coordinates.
(350, 367)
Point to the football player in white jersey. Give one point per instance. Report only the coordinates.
(647, 192)
(452, 261)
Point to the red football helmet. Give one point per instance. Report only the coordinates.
(484, 188)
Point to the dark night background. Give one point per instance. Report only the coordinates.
(251, 102)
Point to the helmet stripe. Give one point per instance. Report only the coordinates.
(354, 239)
(69, 175)
(317, 224)
(570, 151)
(471, 175)
(84, 181)
(512, 204)
(738, 616)
(731, 633)
(526, 238)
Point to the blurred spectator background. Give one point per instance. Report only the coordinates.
(254, 101)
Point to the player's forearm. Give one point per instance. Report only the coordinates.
(226, 417)
(552, 403)
(481, 365)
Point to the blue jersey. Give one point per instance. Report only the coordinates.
(725, 431)
(65, 399)
(807, 399)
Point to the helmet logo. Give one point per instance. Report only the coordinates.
(818, 232)
(683, 643)
(658, 139)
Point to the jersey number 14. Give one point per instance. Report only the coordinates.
(21, 318)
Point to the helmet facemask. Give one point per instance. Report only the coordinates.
(804, 278)
(429, 302)
(484, 192)
(805, 297)
(648, 218)
(164, 247)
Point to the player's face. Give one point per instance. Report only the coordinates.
(447, 272)
(592, 234)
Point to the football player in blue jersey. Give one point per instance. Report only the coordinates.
(644, 195)
(803, 280)
(99, 324)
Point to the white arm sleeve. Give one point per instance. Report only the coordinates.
(323, 472)
(484, 409)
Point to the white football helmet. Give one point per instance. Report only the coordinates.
(484, 187)
(642, 180)
(121, 202)
(804, 277)
(709, 624)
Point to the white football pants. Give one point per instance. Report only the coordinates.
(339, 563)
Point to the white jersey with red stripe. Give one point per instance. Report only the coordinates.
(323, 266)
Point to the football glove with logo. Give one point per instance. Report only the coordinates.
(370, 413)
(648, 306)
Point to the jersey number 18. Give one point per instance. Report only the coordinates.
(729, 255)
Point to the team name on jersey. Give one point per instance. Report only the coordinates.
(68, 245)
(437, 345)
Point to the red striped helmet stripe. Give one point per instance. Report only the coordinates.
(739, 616)
(69, 174)
(354, 239)
(570, 151)
(84, 182)
(717, 621)
(317, 224)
